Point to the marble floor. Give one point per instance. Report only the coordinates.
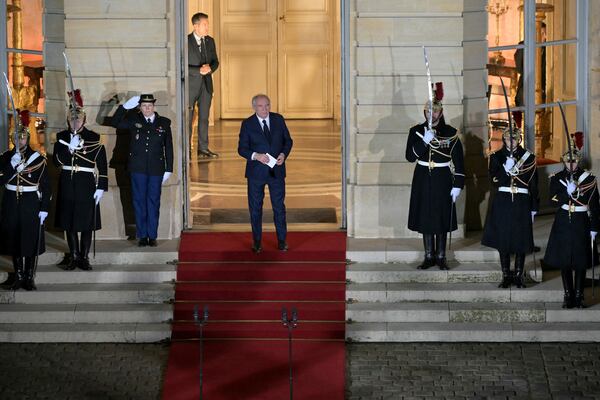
(313, 185)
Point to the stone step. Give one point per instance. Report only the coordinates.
(82, 332)
(84, 313)
(157, 273)
(469, 312)
(474, 332)
(408, 273)
(85, 293)
(550, 291)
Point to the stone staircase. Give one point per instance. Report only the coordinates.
(395, 302)
(125, 298)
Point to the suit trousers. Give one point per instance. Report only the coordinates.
(256, 195)
(198, 93)
(146, 190)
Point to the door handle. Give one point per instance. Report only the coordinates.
(282, 18)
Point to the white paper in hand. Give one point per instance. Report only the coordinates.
(272, 160)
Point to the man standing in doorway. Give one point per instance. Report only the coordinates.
(263, 136)
(150, 161)
(202, 63)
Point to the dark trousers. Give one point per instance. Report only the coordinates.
(199, 94)
(145, 190)
(256, 195)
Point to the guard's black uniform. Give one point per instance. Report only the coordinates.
(569, 245)
(82, 173)
(508, 227)
(25, 195)
(440, 167)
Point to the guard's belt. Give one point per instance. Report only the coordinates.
(21, 189)
(77, 168)
(431, 164)
(513, 189)
(574, 208)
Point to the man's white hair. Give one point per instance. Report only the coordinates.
(260, 96)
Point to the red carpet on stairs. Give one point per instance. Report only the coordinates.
(246, 347)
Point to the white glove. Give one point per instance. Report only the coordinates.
(533, 216)
(571, 187)
(98, 195)
(509, 164)
(131, 103)
(74, 143)
(593, 235)
(166, 176)
(428, 136)
(42, 215)
(15, 159)
(454, 193)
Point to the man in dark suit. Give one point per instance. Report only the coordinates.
(150, 161)
(202, 63)
(264, 136)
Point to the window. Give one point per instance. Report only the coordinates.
(22, 61)
(538, 50)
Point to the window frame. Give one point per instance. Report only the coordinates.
(582, 88)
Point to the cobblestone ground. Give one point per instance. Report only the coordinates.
(60, 371)
(375, 371)
(473, 371)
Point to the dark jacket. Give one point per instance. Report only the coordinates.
(569, 244)
(196, 60)
(19, 220)
(252, 139)
(75, 204)
(508, 227)
(430, 200)
(151, 145)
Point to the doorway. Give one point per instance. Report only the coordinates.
(290, 50)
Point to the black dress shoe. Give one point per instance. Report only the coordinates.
(203, 154)
(428, 262)
(207, 154)
(143, 242)
(152, 243)
(212, 154)
(84, 264)
(441, 262)
(282, 245)
(256, 247)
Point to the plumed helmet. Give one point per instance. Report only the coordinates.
(576, 152)
(23, 124)
(517, 134)
(438, 95)
(75, 109)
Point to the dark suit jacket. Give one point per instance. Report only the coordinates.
(151, 145)
(252, 139)
(195, 60)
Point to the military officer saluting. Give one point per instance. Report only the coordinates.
(509, 225)
(150, 161)
(81, 157)
(25, 203)
(437, 181)
(575, 191)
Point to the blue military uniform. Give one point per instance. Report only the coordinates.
(150, 156)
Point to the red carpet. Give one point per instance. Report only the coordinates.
(246, 348)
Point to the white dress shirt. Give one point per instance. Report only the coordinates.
(260, 122)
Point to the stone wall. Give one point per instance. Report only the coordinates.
(388, 90)
(117, 48)
(594, 85)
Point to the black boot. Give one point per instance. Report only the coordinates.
(567, 281)
(73, 242)
(440, 247)
(505, 267)
(29, 283)
(429, 260)
(520, 270)
(579, 288)
(19, 273)
(86, 243)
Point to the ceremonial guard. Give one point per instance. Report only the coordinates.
(437, 180)
(150, 161)
(25, 203)
(570, 245)
(509, 225)
(81, 158)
